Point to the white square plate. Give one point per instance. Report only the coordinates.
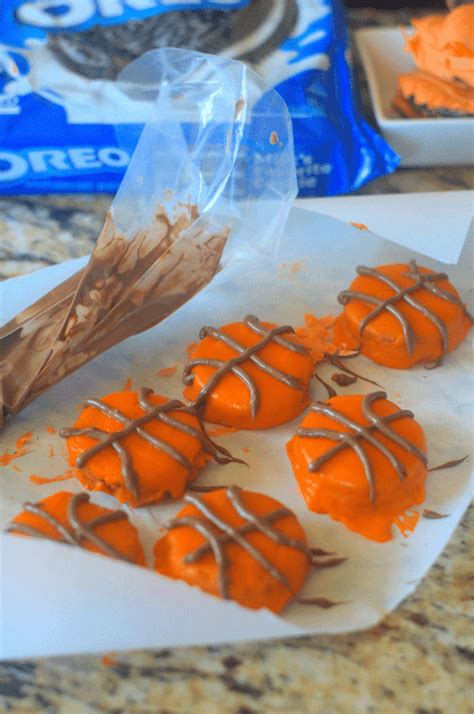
(420, 142)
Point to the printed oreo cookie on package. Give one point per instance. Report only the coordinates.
(62, 112)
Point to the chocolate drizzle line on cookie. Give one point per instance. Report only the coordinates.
(158, 412)
(78, 530)
(215, 542)
(420, 280)
(352, 439)
(244, 353)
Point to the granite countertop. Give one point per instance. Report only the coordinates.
(418, 660)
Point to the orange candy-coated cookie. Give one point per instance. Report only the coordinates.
(443, 45)
(71, 518)
(361, 460)
(431, 96)
(237, 545)
(400, 315)
(139, 447)
(249, 375)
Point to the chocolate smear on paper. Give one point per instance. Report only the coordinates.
(323, 602)
(128, 286)
(449, 464)
(331, 563)
(205, 489)
(433, 515)
(320, 551)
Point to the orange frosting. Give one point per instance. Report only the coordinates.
(120, 534)
(436, 95)
(340, 487)
(382, 339)
(158, 473)
(229, 401)
(444, 44)
(249, 583)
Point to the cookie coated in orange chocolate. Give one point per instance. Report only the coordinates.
(443, 45)
(362, 461)
(430, 96)
(402, 314)
(237, 545)
(139, 446)
(73, 519)
(249, 374)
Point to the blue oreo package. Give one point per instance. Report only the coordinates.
(60, 106)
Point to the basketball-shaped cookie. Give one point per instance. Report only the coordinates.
(249, 374)
(361, 460)
(402, 314)
(139, 447)
(73, 519)
(237, 545)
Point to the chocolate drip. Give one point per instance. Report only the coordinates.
(158, 412)
(249, 353)
(420, 280)
(449, 464)
(78, 531)
(330, 390)
(322, 602)
(204, 489)
(215, 542)
(433, 515)
(352, 439)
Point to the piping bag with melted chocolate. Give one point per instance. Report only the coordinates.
(192, 193)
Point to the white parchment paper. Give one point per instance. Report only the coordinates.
(57, 599)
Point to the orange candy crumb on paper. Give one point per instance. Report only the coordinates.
(51, 430)
(51, 452)
(246, 450)
(318, 336)
(291, 268)
(20, 450)
(128, 385)
(167, 371)
(108, 660)
(360, 226)
(42, 480)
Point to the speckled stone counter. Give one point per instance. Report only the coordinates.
(417, 661)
